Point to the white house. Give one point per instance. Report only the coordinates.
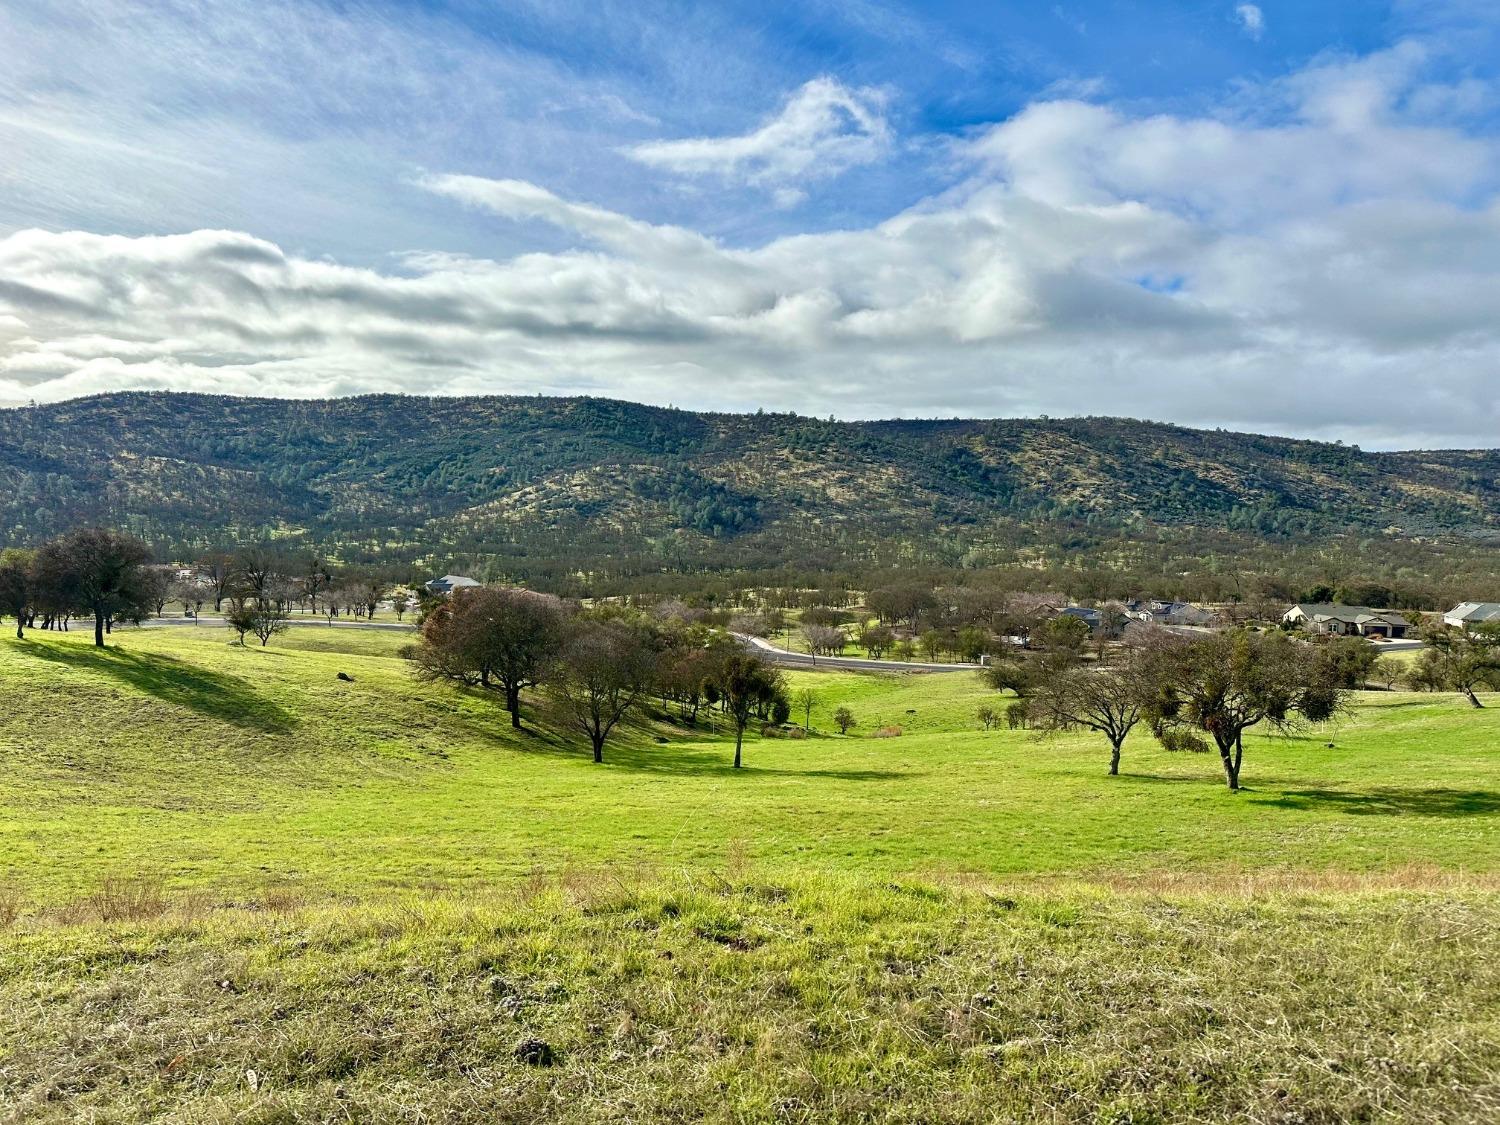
(1468, 614)
(1347, 620)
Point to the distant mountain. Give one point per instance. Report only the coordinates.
(564, 486)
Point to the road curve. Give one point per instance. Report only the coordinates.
(851, 663)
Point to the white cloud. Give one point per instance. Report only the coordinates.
(1334, 271)
(1252, 19)
(823, 129)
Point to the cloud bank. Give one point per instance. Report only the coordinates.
(1328, 268)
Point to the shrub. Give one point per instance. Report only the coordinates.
(887, 732)
(1180, 741)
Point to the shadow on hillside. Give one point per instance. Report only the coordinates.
(632, 754)
(1391, 801)
(174, 681)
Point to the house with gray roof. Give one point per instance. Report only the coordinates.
(1466, 615)
(1347, 620)
(450, 582)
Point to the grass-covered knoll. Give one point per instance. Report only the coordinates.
(747, 996)
(175, 754)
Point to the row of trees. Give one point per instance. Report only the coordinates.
(1194, 693)
(595, 667)
(110, 577)
(90, 572)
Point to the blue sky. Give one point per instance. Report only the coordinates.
(1277, 216)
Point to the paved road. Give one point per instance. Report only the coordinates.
(854, 663)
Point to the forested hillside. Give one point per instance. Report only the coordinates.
(544, 488)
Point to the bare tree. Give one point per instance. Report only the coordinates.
(1462, 660)
(1109, 700)
(823, 640)
(604, 669)
(217, 570)
(744, 683)
(806, 698)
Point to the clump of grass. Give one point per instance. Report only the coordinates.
(737, 997)
(133, 898)
(12, 903)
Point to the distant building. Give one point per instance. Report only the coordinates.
(1169, 613)
(450, 582)
(1468, 614)
(1347, 620)
(1088, 615)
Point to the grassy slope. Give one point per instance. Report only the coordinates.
(176, 754)
(700, 944)
(747, 998)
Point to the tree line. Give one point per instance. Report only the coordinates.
(594, 666)
(111, 577)
(1202, 692)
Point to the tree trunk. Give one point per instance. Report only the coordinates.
(598, 741)
(98, 630)
(1114, 758)
(1231, 763)
(20, 630)
(513, 705)
(1473, 699)
(739, 738)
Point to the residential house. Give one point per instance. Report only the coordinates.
(1109, 623)
(1468, 614)
(1347, 620)
(1170, 613)
(450, 582)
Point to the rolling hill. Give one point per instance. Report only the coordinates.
(548, 486)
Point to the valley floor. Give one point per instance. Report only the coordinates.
(236, 887)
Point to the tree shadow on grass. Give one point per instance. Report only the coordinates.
(174, 681)
(1390, 801)
(631, 752)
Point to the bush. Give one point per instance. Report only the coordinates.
(886, 732)
(1180, 741)
(1018, 715)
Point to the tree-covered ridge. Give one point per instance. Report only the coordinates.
(407, 478)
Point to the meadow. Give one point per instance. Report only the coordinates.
(237, 887)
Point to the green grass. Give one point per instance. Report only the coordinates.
(747, 998)
(176, 753)
(218, 861)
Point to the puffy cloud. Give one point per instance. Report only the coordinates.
(823, 129)
(1332, 270)
(1252, 19)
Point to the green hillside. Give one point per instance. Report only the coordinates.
(234, 887)
(177, 754)
(538, 488)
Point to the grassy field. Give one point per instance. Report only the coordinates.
(240, 888)
(177, 754)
